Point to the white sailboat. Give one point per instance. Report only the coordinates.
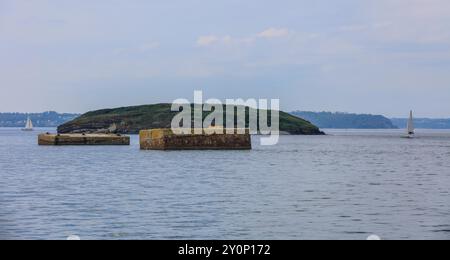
(28, 126)
(410, 127)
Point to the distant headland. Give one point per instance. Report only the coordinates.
(424, 123)
(46, 119)
(340, 120)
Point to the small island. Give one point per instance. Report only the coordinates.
(131, 120)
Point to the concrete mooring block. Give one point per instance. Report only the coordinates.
(83, 139)
(165, 139)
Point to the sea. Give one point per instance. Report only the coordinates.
(348, 184)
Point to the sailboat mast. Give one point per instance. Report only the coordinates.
(411, 123)
(29, 124)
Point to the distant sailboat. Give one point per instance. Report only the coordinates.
(28, 126)
(410, 127)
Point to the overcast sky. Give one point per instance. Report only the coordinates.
(365, 56)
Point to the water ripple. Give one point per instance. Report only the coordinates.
(342, 186)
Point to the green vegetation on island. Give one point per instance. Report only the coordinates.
(130, 120)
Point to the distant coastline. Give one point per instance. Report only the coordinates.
(45, 119)
(423, 123)
(339, 120)
(323, 120)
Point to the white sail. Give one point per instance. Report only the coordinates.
(410, 127)
(29, 125)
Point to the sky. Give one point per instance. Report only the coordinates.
(364, 56)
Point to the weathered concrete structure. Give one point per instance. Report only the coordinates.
(165, 139)
(83, 139)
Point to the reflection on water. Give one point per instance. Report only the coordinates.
(347, 185)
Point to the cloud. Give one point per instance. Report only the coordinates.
(354, 28)
(148, 46)
(369, 27)
(207, 40)
(274, 33)
(412, 21)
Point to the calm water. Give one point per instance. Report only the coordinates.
(347, 185)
